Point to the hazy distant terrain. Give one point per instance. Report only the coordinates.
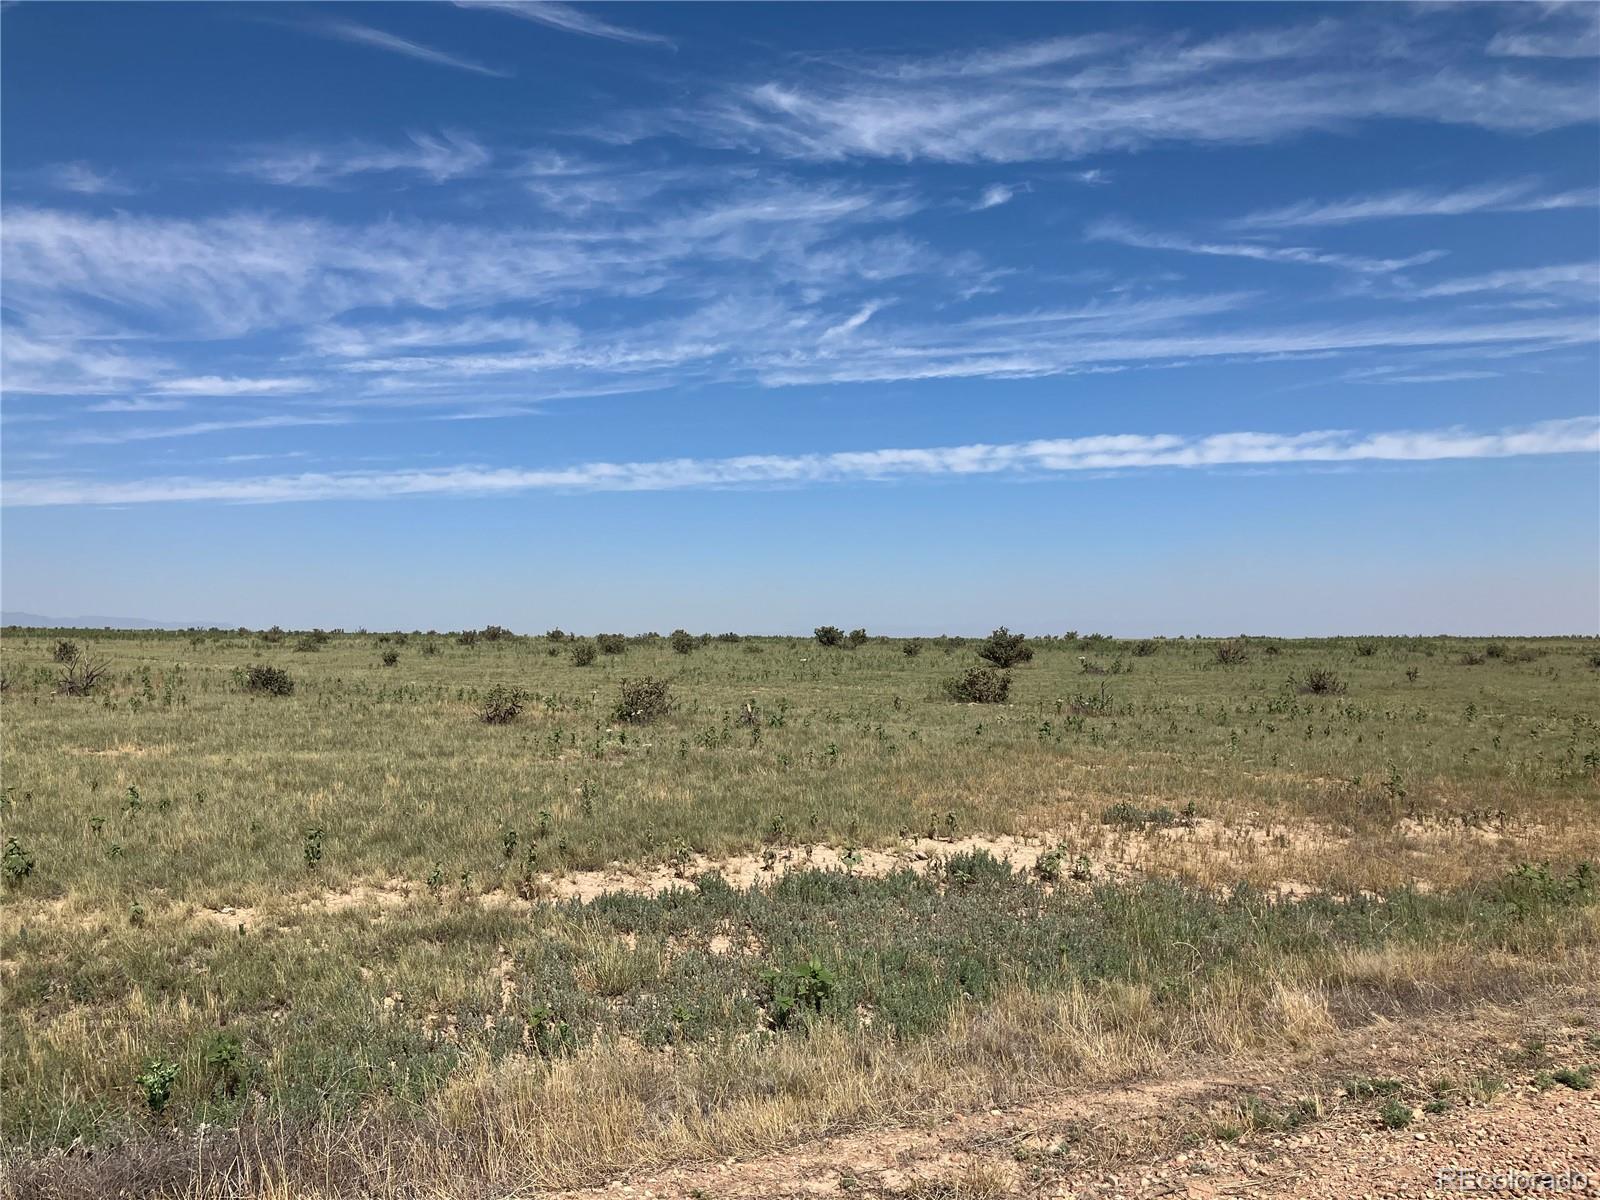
(27, 620)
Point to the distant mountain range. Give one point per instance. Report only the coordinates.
(40, 621)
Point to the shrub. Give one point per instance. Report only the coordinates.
(65, 652)
(273, 636)
(557, 635)
(307, 644)
(390, 657)
(979, 685)
(268, 681)
(81, 677)
(1494, 650)
(1144, 649)
(496, 633)
(501, 705)
(1395, 1114)
(1320, 681)
(856, 638)
(643, 701)
(1004, 648)
(828, 635)
(912, 648)
(610, 643)
(1131, 816)
(682, 641)
(1231, 653)
(583, 654)
(468, 637)
(1366, 649)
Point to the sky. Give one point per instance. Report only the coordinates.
(1142, 319)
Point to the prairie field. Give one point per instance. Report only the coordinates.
(425, 914)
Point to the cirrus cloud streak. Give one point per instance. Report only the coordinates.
(1044, 457)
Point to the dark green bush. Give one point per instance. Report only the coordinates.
(911, 649)
(979, 685)
(856, 638)
(1004, 648)
(1231, 653)
(268, 681)
(583, 654)
(643, 701)
(610, 643)
(65, 652)
(501, 705)
(1320, 681)
(682, 641)
(828, 635)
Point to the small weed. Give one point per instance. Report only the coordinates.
(156, 1081)
(311, 847)
(16, 864)
(792, 992)
(1394, 1114)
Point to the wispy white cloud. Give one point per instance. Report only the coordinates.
(437, 158)
(1569, 31)
(145, 433)
(85, 180)
(1575, 281)
(1102, 453)
(1066, 98)
(851, 323)
(217, 385)
(1512, 196)
(1111, 230)
(978, 351)
(229, 275)
(993, 196)
(366, 35)
(566, 17)
(138, 404)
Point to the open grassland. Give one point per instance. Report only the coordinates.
(355, 937)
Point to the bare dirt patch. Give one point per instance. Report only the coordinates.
(1177, 1135)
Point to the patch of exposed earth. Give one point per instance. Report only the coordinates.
(1200, 850)
(1304, 1127)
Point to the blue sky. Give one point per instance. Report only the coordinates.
(1145, 319)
